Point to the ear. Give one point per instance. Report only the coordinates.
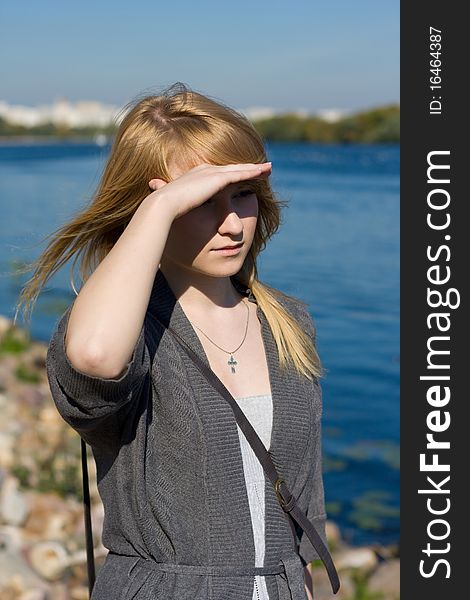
(156, 184)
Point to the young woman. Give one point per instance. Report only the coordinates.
(171, 238)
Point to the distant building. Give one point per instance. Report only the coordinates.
(257, 112)
(332, 114)
(73, 114)
(263, 112)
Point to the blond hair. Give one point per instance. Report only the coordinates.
(183, 126)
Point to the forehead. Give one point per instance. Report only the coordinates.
(179, 163)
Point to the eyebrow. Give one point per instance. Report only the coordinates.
(241, 183)
(236, 186)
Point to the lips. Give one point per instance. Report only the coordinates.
(229, 247)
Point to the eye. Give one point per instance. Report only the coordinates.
(242, 193)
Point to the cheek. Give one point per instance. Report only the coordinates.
(249, 227)
(250, 218)
(187, 236)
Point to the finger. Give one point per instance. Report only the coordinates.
(156, 184)
(245, 167)
(251, 173)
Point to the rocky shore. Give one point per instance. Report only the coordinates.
(42, 533)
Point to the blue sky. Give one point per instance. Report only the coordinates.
(282, 54)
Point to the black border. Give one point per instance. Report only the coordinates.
(421, 133)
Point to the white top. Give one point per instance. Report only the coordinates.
(259, 411)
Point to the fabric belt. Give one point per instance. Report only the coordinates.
(215, 570)
(290, 568)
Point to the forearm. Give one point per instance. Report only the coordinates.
(108, 313)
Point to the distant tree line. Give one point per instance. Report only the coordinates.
(381, 124)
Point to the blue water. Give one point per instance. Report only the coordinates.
(337, 249)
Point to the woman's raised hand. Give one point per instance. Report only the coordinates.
(202, 182)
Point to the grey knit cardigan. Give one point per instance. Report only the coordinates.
(169, 465)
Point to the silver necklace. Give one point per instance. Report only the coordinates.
(231, 362)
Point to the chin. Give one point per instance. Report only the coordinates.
(226, 270)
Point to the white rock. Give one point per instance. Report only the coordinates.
(362, 558)
(13, 568)
(79, 592)
(49, 559)
(13, 504)
(7, 443)
(11, 538)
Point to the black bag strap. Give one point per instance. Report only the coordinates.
(90, 559)
(285, 497)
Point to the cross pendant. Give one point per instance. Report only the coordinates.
(232, 363)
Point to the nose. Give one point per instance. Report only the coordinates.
(230, 223)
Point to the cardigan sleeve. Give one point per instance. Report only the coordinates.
(312, 498)
(84, 401)
(314, 501)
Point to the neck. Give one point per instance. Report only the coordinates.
(200, 292)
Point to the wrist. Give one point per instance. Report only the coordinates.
(162, 204)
